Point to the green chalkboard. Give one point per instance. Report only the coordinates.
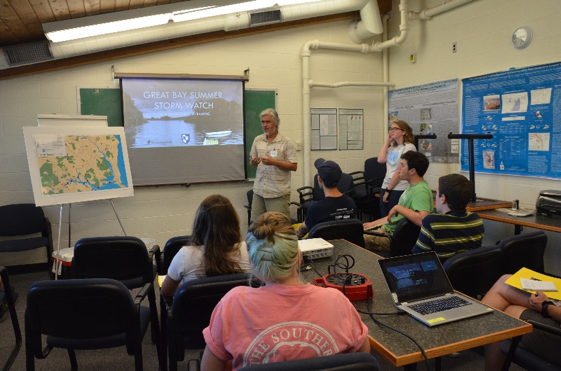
(255, 102)
(103, 102)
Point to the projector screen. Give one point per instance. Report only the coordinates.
(184, 130)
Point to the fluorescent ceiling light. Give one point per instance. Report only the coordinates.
(213, 11)
(109, 23)
(107, 28)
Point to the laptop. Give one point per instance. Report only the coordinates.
(419, 286)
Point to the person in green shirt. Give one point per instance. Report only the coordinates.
(414, 204)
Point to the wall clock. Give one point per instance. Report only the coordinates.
(522, 37)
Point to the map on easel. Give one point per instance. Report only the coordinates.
(77, 163)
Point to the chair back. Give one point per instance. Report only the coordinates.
(374, 172)
(78, 314)
(348, 229)
(404, 237)
(473, 272)
(7, 297)
(21, 220)
(523, 250)
(171, 248)
(338, 362)
(190, 312)
(346, 185)
(119, 258)
(78, 309)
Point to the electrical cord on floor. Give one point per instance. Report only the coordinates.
(377, 321)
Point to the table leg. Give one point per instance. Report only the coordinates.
(410, 367)
(517, 229)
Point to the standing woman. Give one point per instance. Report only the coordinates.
(215, 247)
(399, 140)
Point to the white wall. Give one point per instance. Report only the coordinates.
(163, 212)
(482, 30)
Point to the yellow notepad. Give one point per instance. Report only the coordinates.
(514, 281)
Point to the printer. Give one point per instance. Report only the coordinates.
(549, 202)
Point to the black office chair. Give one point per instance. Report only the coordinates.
(403, 239)
(6, 295)
(171, 248)
(523, 250)
(473, 272)
(249, 195)
(525, 358)
(84, 314)
(24, 220)
(336, 362)
(190, 312)
(347, 229)
(367, 185)
(125, 259)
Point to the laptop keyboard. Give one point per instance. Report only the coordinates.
(439, 305)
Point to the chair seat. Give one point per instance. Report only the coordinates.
(23, 245)
(100, 343)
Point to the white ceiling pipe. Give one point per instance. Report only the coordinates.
(369, 24)
(314, 84)
(431, 12)
(173, 30)
(403, 28)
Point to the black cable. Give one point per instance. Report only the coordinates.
(402, 333)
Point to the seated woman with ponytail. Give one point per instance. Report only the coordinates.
(285, 318)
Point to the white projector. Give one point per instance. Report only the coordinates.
(315, 248)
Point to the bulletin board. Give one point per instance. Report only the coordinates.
(522, 110)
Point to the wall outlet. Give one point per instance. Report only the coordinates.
(298, 146)
(413, 57)
(454, 47)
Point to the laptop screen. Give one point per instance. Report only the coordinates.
(415, 277)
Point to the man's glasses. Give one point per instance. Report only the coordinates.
(394, 129)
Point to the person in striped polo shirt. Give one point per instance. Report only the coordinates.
(451, 229)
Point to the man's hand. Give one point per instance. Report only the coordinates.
(254, 161)
(369, 225)
(268, 160)
(393, 211)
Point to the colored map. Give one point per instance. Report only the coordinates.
(538, 142)
(80, 163)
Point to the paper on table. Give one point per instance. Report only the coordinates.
(529, 284)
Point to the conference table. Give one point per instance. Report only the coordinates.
(547, 223)
(437, 341)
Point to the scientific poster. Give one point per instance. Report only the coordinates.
(429, 109)
(522, 110)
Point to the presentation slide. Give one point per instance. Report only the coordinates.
(173, 126)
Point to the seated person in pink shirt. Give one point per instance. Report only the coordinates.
(215, 247)
(286, 318)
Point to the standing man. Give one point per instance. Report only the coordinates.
(335, 205)
(451, 230)
(414, 204)
(274, 157)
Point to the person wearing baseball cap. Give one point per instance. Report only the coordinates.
(335, 205)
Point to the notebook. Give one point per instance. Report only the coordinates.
(419, 286)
